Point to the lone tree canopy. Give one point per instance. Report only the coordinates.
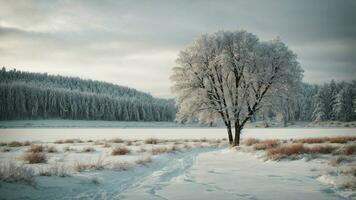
(229, 75)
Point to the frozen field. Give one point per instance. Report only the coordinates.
(183, 164)
(49, 135)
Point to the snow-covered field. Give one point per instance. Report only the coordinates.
(61, 123)
(182, 165)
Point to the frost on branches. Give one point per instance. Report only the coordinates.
(230, 75)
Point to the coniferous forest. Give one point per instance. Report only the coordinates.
(26, 95)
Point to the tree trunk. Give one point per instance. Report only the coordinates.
(229, 133)
(237, 135)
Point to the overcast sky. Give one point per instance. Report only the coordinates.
(135, 43)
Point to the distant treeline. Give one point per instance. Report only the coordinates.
(306, 102)
(25, 95)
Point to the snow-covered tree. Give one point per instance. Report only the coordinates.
(25, 95)
(230, 74)
(344, 103)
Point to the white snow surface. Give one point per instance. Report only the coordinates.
(52, 134)
(199, 173)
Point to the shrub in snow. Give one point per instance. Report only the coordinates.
(143, 161)
(286, 150)
(99, 164)
(10, 172)
(121, 166)
(116, 140)
(55, 170)
(87, 149)
(70, 141)
(160, 150)
(67, 148)
(321, 149)
(336, 160)
(35, 148)
(15, 144)
(250, 141)
(52, 149)
(5, 149)
(151, 141)
(266, 144)
(120, 151)
(35, 157)
(347, 150)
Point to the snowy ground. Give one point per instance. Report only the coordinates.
(122, 124)
(193, 169)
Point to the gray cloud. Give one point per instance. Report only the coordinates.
(135, 43)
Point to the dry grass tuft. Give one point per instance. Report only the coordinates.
(340, 140)
(266, 144)
(143, 161)
(250, 141)
(69, 141)
(15, 144)
(296, 149)
(52, 149)
(151, 141)
(106, 145)
(120, 151)
(35, 157)
(161, 150)
(347, 150)
(67, 148)
(5, 149)
(141, 150)
(99, 164)
(321, 149)
(121, 166)
(11, 173)
(35, 148)
(116, 140)
(58, 142)
(56, 170)
(335, 161)
(87, 149)
(285, 150)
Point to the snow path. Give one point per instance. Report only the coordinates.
(112, 184)
(227, 174)
(203, 173)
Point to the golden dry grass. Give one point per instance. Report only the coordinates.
(67, 141)
(286, 150)
(15, 144)
(250, 141)
(120, 151)
(340, 140)
(151, 141)
(161, 150)
(35, 157)
(35, 148)
(116, 140)
(299, 148)
(321, 149)
(87, 149)
(266, 144)
(52, 149)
